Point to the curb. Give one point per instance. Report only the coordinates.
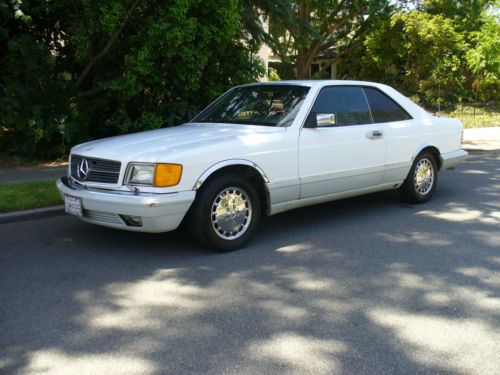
(495, 152)
(37, 213)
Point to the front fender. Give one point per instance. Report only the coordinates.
(227, 163)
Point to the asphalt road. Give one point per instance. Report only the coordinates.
(362, 286)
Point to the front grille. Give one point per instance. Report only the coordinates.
(103, 217)
(99, 170)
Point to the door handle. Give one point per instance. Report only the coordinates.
(375, 134)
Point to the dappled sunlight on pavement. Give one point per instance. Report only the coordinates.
(123, 305)
(459, 213)
(484, 275)
(467, 346)
(301, 353)
(59, 362)
(363, 286)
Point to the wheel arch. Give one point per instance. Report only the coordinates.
(429, 147)
(247, 169)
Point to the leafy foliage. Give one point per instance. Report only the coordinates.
(436, 53)
(484, 58)
(322, 26)
(74, 70)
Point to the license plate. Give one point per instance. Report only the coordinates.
(73, 205)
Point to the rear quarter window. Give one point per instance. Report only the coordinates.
(383, 108)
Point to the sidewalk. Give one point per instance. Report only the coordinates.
(482, 140)
(26, 174)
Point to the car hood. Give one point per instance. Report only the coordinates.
(152, 146)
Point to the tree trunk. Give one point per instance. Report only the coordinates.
(305, 58)
(306, 55)
(302, 66)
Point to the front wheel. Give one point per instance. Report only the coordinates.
(421, 182)
(225, 213)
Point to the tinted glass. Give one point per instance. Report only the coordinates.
(347, 103)
(383, 108)
(270, 105)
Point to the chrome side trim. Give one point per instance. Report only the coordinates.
(226, 163)
(330, 183)
(290, 205)
(336, 175)
(403, 164)
(284, 190)
(396, 171)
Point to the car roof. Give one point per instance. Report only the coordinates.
(317, 82)
(415, 110)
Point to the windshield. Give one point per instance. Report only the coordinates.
(269, 105)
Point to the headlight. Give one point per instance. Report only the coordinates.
(158, 175)
(141, 174)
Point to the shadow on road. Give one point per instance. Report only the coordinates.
(365, 285)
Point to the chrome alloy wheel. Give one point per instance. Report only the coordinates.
(231, 213)
(424, 176)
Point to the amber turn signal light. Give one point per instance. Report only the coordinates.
(167, 174)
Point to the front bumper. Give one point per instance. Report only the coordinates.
(452, 159)
(159, 212)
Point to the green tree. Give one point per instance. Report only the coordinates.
(434, 52)
(431, 49)
(323, 25)
(75, 70)
(484, 58)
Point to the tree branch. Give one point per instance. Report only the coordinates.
(341, 23)
(90, 92)
(106, 48)
(335, 13)
(340, 55)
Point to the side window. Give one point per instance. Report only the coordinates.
(346, 102)
(383, 108)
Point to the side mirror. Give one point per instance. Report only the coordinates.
(325, 119)
(317, 120)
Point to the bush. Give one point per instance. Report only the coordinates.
(74, 71)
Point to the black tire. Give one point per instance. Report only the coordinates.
(413, 192)
(203, 221)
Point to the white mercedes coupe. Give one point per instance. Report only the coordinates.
(261, 148)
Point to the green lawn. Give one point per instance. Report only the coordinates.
(28, 195)
(479, 119)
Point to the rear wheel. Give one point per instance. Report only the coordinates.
(421, 182)
(225, 213)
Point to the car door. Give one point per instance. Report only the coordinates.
(402, 133)
(346, 155)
